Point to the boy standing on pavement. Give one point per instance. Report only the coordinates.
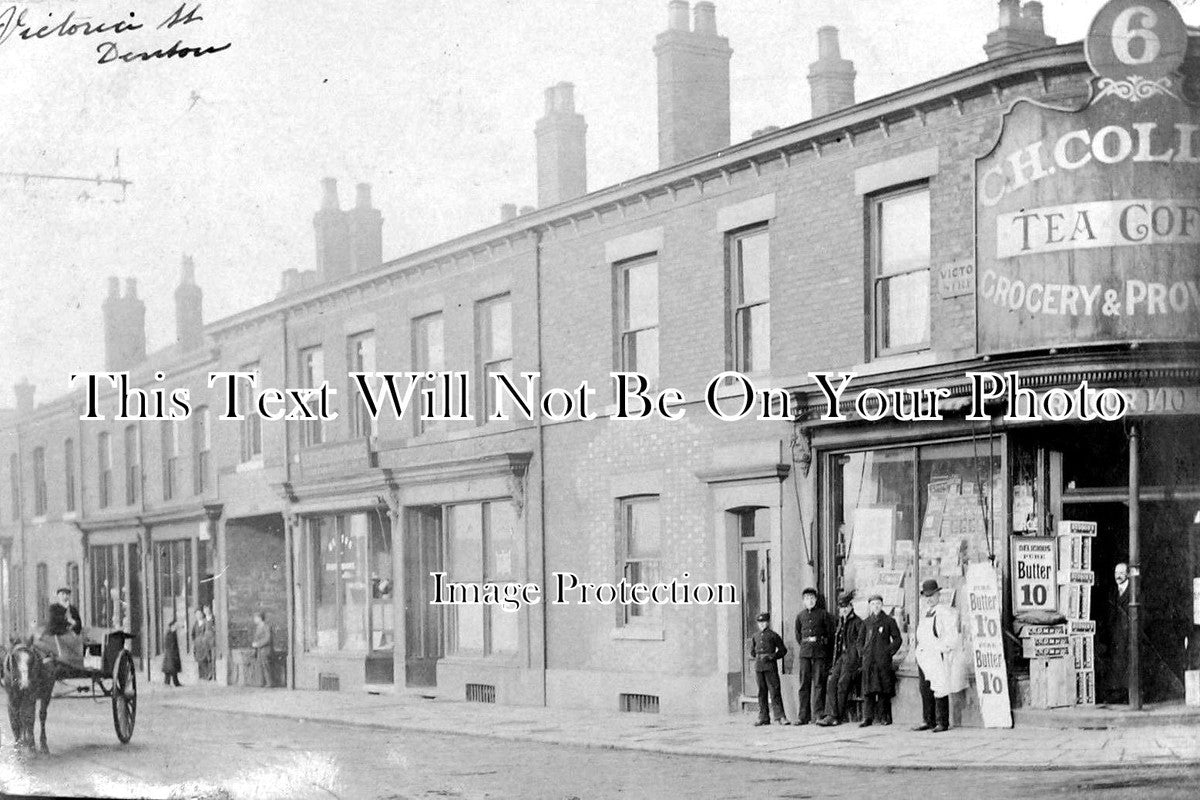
(845, 660)
(814, 631)
(767, 648)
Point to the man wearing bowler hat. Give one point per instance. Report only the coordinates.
(937, 640)
(766, 648)
(845, 660)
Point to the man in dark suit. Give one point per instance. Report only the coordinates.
(879, 645)
(1116, 656)
(767, 648)
(846, 641)
(814, 633)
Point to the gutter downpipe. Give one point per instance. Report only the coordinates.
(541, 445)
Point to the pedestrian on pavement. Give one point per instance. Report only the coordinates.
(1116, 638)
(846, 661)
(260, 667)
(879, 645)
(814, 633)
(201, 646)
(211, 622)
(767, 648)
(936, 648)
(171, 662)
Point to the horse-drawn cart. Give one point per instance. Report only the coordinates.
(109, 672)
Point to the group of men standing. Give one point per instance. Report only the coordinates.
(832, 654)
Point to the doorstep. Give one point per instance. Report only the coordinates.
(1102, 717)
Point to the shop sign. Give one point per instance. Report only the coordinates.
(1045, 647)
(1088, 219)
(1081, 626)
(987, 645)
(1168, 400)
(956, 279)
(1033, 575)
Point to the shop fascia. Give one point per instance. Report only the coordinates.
(1144, 142)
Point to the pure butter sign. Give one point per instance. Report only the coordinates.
(1089, 220)
(1033, 574)
(987, 645)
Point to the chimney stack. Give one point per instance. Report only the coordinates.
(693, 85)
(189, 316)
(124, 327)
(24, 394)
(1021, 29)
(366, 231)
(508, 212)
(830, 77)
(561, 148)
(333, 235)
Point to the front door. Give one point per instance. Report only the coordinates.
(756, 598)
(423, 621)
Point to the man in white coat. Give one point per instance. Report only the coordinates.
(937, 647)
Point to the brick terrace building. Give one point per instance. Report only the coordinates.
(831, 245)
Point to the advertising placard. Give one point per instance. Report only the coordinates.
(1087, 218)
(1033, 575)
(987, 644)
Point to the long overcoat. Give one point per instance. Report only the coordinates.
(879, 643)
(171, 662)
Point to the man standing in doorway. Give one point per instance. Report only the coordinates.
(767, 649)
(814, 631)
(1116, 672)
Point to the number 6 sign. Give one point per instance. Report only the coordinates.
(1136, 41)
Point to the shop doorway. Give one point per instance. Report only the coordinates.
(754, 543)
(423, 622)
(1168, 563)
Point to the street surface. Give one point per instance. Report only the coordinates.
(180, 753)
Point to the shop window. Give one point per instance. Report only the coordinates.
(639, 544)
(251, 429)
(493, 341)
(312, 374)
(360, 357)
(170, 460)
(14, 487)
(175, 587)
(42, 577)
(201, 447)
(429, 355)
(72, 576)
(106, 564)
(69, 473)
(481, 547)
(637, 318)
(133, 471)
(39, 481)
(900, 250)
(750, 306)
(904, 515)
(349, 588)
(104, 469)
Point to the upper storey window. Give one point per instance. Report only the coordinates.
(900, 234)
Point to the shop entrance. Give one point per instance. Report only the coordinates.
(423, 622)
(1168, 562)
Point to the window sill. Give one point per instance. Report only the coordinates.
(250, 466)
(38, 520)
(637, 633)
(70, 516)
(897, 362)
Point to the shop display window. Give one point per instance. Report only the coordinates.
(349, 582)
(905, 515)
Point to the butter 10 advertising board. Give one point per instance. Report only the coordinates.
(1088, 219)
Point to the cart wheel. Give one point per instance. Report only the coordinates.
(124, 696)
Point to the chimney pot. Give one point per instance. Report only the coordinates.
(131, 288)
(1032, 15)
(24, 394)
(561, 147)
(329, 194)
(363, 195)
(705, 18)
(677, 15)
(527, 210)
(1020, 30)
(827, 43)
(508, 212)
(114, 286)
(187, 273)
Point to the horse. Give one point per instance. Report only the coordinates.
(28, 679)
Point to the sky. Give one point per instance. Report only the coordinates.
(433, 102)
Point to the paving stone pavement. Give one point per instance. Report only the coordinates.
(893, 747)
